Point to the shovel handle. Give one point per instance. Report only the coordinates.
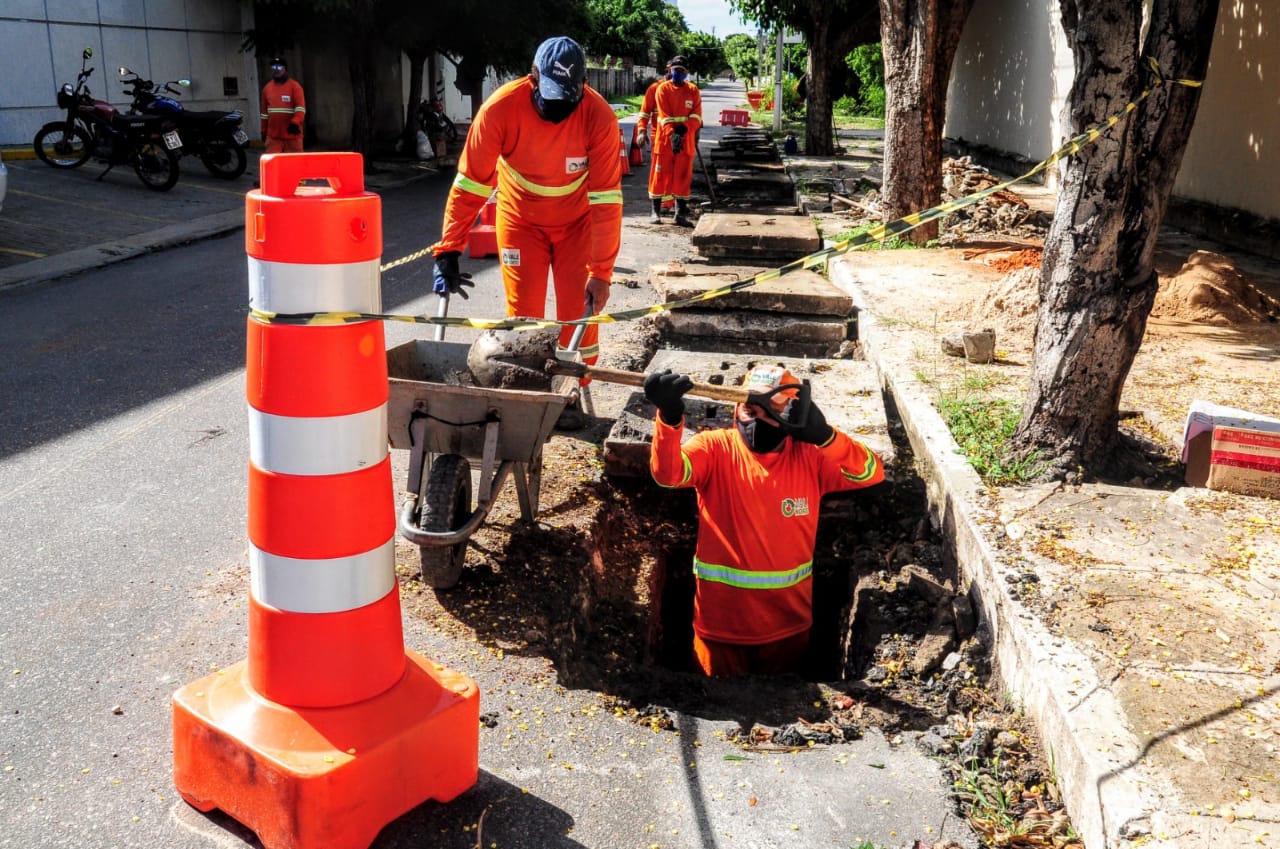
(635, 378)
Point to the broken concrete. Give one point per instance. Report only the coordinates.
(772, 237)
(751, 326)
(803, 292)
(847, 391)
(758, 183)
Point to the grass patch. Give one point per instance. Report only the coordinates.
(891, 243)
(982, 426)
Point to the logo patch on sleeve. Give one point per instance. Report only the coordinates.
(511, 257)
(795, 507)
(575, 164)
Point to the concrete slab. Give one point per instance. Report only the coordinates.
(757, 184)
(847, 391)
(773, 237)
(753, 326)
(801, 292)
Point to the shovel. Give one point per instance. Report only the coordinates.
(634, 378)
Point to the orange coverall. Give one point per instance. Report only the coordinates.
(757, 525)
(283, 104)
(559, 200)
(671, 173)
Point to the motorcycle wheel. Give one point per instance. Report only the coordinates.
(61, 149)
(155, 165)
(224, 159)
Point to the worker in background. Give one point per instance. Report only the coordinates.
(549, 143)
(678, 116)
(759, 485)
(648, 109)
(284, 108)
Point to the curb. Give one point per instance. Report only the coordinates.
(1110, 794)
(108, 253)
(17, 154)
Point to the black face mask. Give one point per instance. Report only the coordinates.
(760, 438)
(554, 111)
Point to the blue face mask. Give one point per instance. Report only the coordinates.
(679, 77)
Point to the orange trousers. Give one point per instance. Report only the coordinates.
(671, 173)
(528, 252)
(292, 144)
(729, 659)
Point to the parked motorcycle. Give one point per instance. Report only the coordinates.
(95, 128)
(216, 137)
(433, 121)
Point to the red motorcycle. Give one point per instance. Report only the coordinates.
(95, 128)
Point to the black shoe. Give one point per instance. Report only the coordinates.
(682, 214)
(655, 216)
(572, 417)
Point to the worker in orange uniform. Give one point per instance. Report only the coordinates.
(549, 143)
(284, 108)
(758, 487)
(648, 109)
(678, 107)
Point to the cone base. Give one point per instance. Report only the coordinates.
(305, 778)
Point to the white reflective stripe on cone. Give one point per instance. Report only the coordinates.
(320, 445)
(330, 585)
(287, 287)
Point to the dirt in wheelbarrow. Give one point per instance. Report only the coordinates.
(601, 586)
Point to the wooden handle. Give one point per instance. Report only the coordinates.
(635, 378)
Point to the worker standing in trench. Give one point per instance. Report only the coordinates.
(759, 485)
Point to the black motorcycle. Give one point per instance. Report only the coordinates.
(216, 137)
(95, 128)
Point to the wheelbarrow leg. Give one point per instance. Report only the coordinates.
(529, 486)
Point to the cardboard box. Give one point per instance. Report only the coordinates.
(1197, 437)
(1245, 461)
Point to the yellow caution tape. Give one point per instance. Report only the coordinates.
(873, 236)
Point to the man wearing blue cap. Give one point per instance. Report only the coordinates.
(549, 143)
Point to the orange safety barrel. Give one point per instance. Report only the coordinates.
(316, 739)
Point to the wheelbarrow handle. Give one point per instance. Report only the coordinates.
(633, 378)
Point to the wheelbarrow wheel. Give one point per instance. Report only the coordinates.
(446, 506)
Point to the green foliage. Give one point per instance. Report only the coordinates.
(867, 63)
(890, 243)
(703, 52)
(741, 53)
(648, 31)
(982, 425)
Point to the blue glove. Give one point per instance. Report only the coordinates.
(448, 279)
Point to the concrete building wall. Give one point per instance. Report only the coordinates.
(1014, 69)
(41, 42)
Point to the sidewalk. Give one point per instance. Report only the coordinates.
(1136, 626)
(58, 223)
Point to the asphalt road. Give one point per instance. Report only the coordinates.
(123, 451)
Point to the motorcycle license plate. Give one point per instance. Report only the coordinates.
(172, 140)
(241, 137)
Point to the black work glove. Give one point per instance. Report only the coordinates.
(448, 279)
(666, 390)
(677, 141)
(815, 430)
(295, 130)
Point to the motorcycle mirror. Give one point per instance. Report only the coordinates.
(88, 53)
(184, 83)
(123, 70)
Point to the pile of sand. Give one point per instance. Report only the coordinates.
(1011, 303)
(1209, 290)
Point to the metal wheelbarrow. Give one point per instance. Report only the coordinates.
(436, 413)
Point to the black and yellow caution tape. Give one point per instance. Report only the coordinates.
(873, 236)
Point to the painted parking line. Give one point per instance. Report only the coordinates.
(89, 206)
(214, 189)
(19, 252)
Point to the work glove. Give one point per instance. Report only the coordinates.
(642, 137)
(677, 140)
(448, 279)
(295, 130)
(666, 390)
(815, 430)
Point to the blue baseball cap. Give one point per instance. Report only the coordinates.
(562, 68)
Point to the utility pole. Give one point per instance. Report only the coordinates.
(777, 85)
(759, 58)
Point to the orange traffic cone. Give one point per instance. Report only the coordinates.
(625, 153)
(330, 730)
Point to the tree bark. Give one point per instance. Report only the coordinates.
(363, 62)
(918, 40)
(831, 34)
(417, 58)
(1098, 279)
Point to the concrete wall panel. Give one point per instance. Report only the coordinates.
(73, 11)
(171, 14)
(18, 9)
(121, 46)
(122, 13)
(1233, 155)
(28, 72)
(213, 15)
(66, 43)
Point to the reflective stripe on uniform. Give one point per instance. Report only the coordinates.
(277, 110)
(466, 184)
(331, 585)
(869, 472)
(317, 445)
(288, 287)
(748, 580)
(537, 188)
(614, 196)
(673, 119)
(685, 478)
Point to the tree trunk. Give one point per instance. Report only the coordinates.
(918, 40)
(362, 69)
(1098, 279)
(831, 36)
(417, 58)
